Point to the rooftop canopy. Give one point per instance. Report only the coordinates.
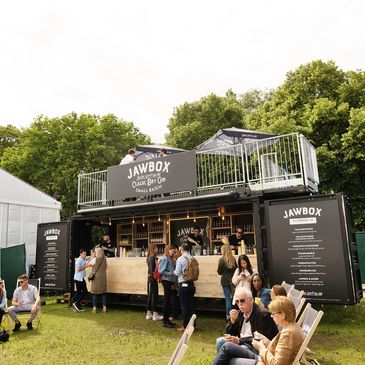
(146, 152)
(231, 136)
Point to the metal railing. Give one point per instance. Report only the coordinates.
(91, 189)
(221, 167)
(281, 162)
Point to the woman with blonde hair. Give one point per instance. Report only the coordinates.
(152, 284)
(226, 268)
(99, 284)
(282, 349)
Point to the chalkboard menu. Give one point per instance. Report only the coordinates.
(53, 255)
(181, 228)
(309, 247)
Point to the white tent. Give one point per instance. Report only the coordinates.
(22, 207)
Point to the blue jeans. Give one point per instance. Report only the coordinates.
(231, 350)
(95, 299)
(227, 296)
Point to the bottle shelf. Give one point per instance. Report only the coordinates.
(215, 228)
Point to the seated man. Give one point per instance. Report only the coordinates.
(243, 323)
(25, 298)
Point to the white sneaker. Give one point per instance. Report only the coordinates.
(157, 317)
(149, 316)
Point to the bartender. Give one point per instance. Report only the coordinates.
(195, 238)
(107, 246)
(236, 238)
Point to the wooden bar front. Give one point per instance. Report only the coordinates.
(128, 275)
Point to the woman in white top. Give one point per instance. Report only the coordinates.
(242, 275)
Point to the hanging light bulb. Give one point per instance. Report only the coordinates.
(222, 217)
(219, 212)
(133, 221)
(110, 221)
(187, 214)
(159, 218)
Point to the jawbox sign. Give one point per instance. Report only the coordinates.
(181, 228)
(156, 176)
(53, 255)
(309, 247)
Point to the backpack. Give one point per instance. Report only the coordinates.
(4, 336)
(191, 272)
(156, 275)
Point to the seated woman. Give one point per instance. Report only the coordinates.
(259, 290)
(282, 349)
(3, 300)
(277, 290)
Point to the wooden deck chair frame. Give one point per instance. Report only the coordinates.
(181, 347)
(315, 317)
(287, 286)
(296, 293)
(25, 315)
(298, 304)
(6, 315)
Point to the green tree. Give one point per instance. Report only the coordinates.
(193, 123)
(321, 101)
(52, 152)
(9, 135)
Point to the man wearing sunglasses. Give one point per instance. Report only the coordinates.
(236, 238)
(244, 322)
(25, 298)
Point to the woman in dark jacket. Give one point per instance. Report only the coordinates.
(226, 268)
(166, 269)
(152, 284)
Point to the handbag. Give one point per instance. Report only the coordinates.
(92, 275)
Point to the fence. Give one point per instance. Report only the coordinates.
(281, 162)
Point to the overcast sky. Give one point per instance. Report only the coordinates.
(140, 59)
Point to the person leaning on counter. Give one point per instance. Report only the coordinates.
(195, 239)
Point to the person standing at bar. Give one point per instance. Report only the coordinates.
(236, 238)
(80, 265)
(107, 246)
(195, 239)
(152, 284)
(186, 288)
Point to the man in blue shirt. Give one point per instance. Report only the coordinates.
(186, 288)
(80, 272)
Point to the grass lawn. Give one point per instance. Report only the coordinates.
(123, 336)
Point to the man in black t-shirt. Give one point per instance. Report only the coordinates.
(195, 239)
(107, 246)
(236, 238)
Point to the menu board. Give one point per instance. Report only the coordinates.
(308, 247)
(181, 228)
(53, 255)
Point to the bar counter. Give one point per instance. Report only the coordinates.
(128, 275)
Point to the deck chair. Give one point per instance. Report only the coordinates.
(308, 322)
(181, 347)
(296, 293)
(287, 286)
(298, 304)
(24, 315)
(5, 316)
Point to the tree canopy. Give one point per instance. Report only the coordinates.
(193, 123)
(317, 99)
(52, 152)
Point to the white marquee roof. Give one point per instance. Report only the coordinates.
(16, 191)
